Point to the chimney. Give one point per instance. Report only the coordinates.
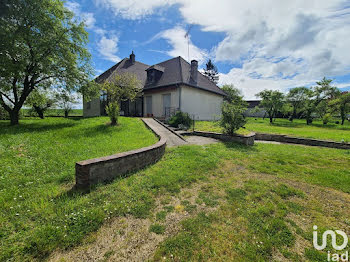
(194, 70)
(132, 58)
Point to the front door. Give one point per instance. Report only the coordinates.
(148, 105)
(166, 104)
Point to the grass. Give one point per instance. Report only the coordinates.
(298, 127)
(54, 112)
(265, 215)
(37, 170)
(214, 126)
(264, 198)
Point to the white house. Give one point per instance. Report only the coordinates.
(168, 87)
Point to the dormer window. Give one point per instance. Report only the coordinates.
(151, 76)
(154, 73)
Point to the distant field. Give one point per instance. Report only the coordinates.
(298, 127)
(55, 112)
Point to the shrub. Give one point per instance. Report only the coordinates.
(326, 118)
(232, 117)
(112, 110)
(180, 118)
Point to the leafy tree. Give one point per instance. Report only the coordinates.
(211, 72)
(323, 93)
(321, 109)
(41, 45)
(296, 98)
(122, 87)
(66, 100)
(232, 110)
(341, 104)
(324, 90)
(233, 95)
(40, 100)
(272, 102)
(309, 106)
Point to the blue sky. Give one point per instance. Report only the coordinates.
(256, 45)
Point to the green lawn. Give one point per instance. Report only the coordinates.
(37, 170)
(260, 202)
(298, 127)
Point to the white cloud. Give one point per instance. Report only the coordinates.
(134, 9)
(280, 44)
(108, 47)
(87, 17)
(176, 38)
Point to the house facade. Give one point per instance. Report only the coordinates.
(170, 86)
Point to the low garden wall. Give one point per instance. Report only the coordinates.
(246, 140)
(104, 169)
(301, 141)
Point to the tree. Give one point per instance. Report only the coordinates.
(41, 45)
(309, 106)
(272, 102)
(341, 104)
(324, 90)
(323, 93)
(122, 87)
(233, 95)
(232, 110)
(211, 72)
(296, 98)
(65, 100)
(40, 100)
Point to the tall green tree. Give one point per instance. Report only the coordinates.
(323, 93)
(211, 72)
(41, 45)
(341, 105)
(297, 97)
(272, 101)
(121, 87)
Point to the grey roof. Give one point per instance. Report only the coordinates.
(156, 67)
(175, 71)
(125, 65)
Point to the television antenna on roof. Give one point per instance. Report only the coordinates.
(187, 35)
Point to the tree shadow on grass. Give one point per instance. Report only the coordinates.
(22, 128)
(102, 128)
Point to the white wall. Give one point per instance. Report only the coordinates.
(203, 104)
(157, 101)
(94, 108)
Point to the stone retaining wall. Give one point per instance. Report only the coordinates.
(104, 169)
(302, 141)
(246, 140)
